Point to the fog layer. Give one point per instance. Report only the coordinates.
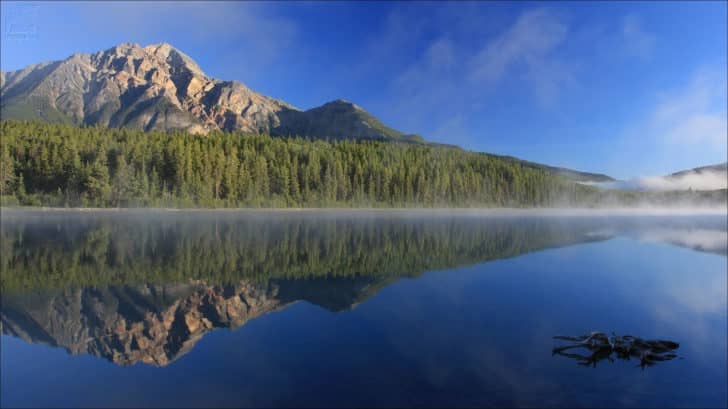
(707, 180)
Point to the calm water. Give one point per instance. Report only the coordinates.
(358, 309)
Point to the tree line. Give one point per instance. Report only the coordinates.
(59, 165)
(62, 165)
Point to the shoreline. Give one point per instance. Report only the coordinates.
(496, 211)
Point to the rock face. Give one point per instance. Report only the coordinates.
(159, 87)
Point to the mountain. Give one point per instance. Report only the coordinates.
(158, 87)
(719, 168)
(153, 87)
(712, 178)
(338, 119)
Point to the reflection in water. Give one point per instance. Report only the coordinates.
(700, 234)
(145, 288)
(601, 347)
(709, 241)
(58, 252)
(155, 324)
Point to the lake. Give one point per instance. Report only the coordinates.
(363, 308)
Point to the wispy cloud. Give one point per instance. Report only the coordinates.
(637, 41)
(452, 79)
(529, 43)
(527, 48)
(695, 114)
(259, 34)
(680, 127)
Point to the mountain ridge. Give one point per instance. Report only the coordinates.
(704, 178)
(718, 167)
(159, 87)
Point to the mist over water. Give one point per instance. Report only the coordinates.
(436, 307)
(705, 180)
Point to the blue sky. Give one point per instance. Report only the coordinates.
(624, 88)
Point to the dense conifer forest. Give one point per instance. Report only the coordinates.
(65, 166)
(61, 165)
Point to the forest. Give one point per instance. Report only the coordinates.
(65, 166)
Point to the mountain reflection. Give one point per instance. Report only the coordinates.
(145, 288)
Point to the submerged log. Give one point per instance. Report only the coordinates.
(598, 346)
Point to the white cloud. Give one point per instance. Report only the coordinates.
(637, 41)
(695, 114)
(433, 79)
(699, 128)
(441, 53)
(450, 79)
(527, 49)
(682, 127)
(528, 42)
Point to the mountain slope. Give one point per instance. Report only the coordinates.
(153, 87)
(338, 119)
(704, 178)
(718, 168)
(159, 87)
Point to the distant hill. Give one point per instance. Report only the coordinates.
(719, 168)
(704, 178)
(712, 177)
(338, 119)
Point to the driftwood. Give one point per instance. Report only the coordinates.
(601, 346)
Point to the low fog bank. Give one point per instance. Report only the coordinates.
(417, 212)
(705, 180)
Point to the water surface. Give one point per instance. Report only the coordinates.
(357, 309)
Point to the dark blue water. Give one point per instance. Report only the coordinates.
(364, 309)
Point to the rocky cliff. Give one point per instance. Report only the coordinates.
(158, 87)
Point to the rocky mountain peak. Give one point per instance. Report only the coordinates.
(159, 87)
(175, 58)
(342, 104)
(127, 46)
